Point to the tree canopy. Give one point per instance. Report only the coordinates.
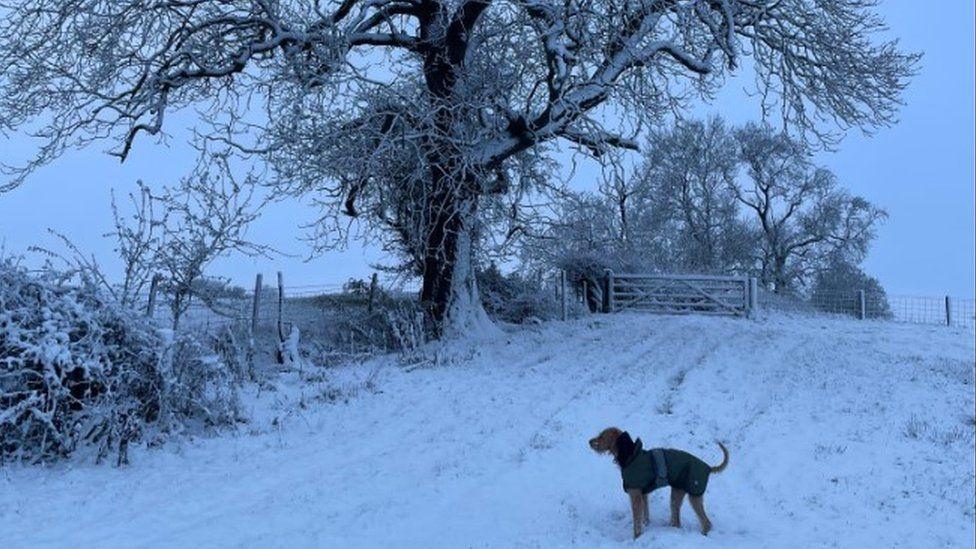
(410, 113)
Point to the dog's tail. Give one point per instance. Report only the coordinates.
(725, 459)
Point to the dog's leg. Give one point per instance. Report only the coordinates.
(647, 512)
(698, 504)
(677, 498)
(637, 508)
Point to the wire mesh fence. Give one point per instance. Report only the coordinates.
(944, 310)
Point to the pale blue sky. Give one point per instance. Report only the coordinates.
(921, 171)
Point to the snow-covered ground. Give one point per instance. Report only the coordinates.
(843, 434)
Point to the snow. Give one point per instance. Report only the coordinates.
(466, 315)
(842, 433)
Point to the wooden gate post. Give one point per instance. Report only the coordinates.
(753, 297)
(948, 307)
(608, 291)
(153, 288)
(255, 304)
(861, 305)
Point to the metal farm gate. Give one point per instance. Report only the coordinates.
(679, 294)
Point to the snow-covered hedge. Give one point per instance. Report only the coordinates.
(77, 370)
(512, 298)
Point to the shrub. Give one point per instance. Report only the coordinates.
(512, 298)
(835, 289)
(76, 369)
(199, 387)
(356, 286)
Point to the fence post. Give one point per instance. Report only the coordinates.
(861, 306)
(255, 304)
(948, 305)
(562, 285)
(281, 307)
(280, 319)
(153, 288)
(608, 291)
(372, 293)
(753, 297)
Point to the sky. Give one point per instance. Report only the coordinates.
(921, 171)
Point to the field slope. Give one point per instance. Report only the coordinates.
(842, 433)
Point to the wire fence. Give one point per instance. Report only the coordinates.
(944, 310)
(364, 315)
(330, 319)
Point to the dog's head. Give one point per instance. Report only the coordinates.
(613, 441)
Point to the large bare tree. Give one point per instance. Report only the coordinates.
(804, 219)
(410, 113)
(687, 171)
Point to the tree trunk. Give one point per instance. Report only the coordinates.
(780, 282)
(449, 294)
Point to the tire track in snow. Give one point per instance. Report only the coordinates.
(669, 345)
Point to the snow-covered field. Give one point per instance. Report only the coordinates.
(843, 434)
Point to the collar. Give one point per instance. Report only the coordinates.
(638, 447)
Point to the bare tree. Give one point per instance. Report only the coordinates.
(136, 236)
(208, 215)
(410, 113)
(804, 219)
(686, 174)
(580, 234)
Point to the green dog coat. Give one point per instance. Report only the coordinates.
(648, 470)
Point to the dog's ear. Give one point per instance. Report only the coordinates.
(625, 447)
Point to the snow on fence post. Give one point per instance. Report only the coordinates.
(562, 291)
(948, 307)
(608, 291)
(255, 304)
(861, 308)
(372, 292)
(153, 288)
(753, 296)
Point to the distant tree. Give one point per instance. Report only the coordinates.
(582, 236)
(840, 281)
(686, 175)
(803, 218)
(410, 113)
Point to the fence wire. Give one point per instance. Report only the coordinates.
(336, 316)
(880, 306)
(331, 319)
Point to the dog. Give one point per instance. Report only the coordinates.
(646, 470)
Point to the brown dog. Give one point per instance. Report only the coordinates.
(646, 470)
